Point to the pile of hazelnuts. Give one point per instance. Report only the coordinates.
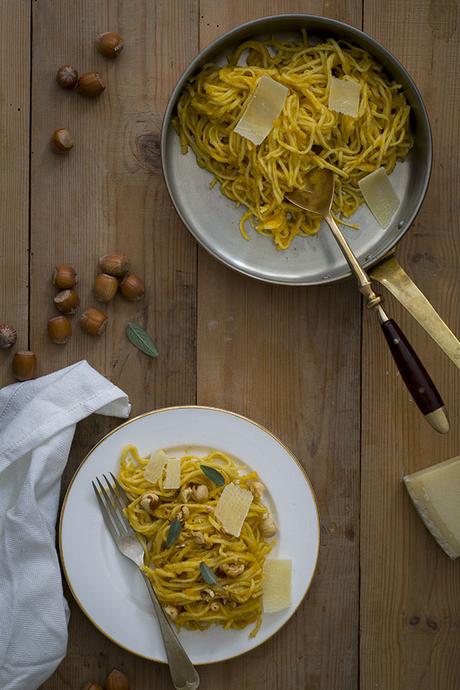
(89, 84)
(114, 276)
(116, 680)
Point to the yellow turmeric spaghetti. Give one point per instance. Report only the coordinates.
(176, 570)
(305, 135)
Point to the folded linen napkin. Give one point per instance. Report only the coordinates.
(37, 425)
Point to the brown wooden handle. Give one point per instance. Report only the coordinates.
(412, 371)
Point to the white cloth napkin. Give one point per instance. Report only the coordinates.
(37, 424)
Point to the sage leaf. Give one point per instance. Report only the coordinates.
(173, 532)
(139, 337)
(207, 574)
(213, 474)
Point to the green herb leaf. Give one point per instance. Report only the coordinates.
(173, 532)
(141, 339)
(213, 475)
(207, 574)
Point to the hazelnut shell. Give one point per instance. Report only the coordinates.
(59, 329)
(8, 336)
(109, 44)
(132, 288)
(24, 365)
(67, 77)
(105, 287)
(90, 85)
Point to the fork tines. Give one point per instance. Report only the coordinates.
(112, 500)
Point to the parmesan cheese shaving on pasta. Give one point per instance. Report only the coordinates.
(172, 479)
(263, 108)
(380, 196)
(232, 508)
(154, 468)
(344, 96)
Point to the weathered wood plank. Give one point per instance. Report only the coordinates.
(410, 592)
(290, 359)
(14, 174)
(107, 194)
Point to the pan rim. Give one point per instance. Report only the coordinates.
(323, 22)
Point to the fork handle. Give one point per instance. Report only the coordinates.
(183, 673)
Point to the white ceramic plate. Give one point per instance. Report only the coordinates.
(108, 587)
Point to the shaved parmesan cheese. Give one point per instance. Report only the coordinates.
(154, 468)
(263, 108)
(344, 96)
(277, 585)
(380, 196)
(232, 508)
(172, 479)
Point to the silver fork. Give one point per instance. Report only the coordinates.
(112, 500)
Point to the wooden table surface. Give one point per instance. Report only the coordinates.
(383, 612)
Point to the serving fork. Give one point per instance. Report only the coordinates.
(112, 501)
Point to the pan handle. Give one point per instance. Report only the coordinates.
(415, 376)
(393, 277)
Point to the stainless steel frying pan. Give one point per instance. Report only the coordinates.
(214, 220)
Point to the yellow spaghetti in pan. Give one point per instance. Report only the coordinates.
(307, 134)
(182, 583)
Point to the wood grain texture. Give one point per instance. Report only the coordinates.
(14, 174)
(289, 359)
(410, 593)
(107, 194)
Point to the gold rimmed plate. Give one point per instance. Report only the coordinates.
(110, 590)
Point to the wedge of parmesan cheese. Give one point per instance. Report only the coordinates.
(344, 96)
(172, 479)
(232, 508)
(435, 493)
(277, 585)
(262, 109)
(380, 196)
(154, 468)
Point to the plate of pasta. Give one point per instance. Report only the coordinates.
(344, 103)
(229, 525)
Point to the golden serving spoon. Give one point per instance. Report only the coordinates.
(317, 198)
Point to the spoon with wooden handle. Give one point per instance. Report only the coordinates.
(317, 198)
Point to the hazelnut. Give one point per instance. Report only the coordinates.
(207, 594)
(233, 569)
(109, 44)
(185, 494)
(199, 538)
(172, 612)
(90, 85)
(268, 527)
(62, 140)
(200, 493)
(24, 365)
(183, 514)
(67, 301)
(105, 287)
(64, 277)
(92, 686)
(115, 264)
(67, 76)
(59, 329)
(93, 321)
(257, 489)
(7, 336)
(149, 502)
(132, 288)
(116, 680)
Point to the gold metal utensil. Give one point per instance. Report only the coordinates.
(317, 198)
